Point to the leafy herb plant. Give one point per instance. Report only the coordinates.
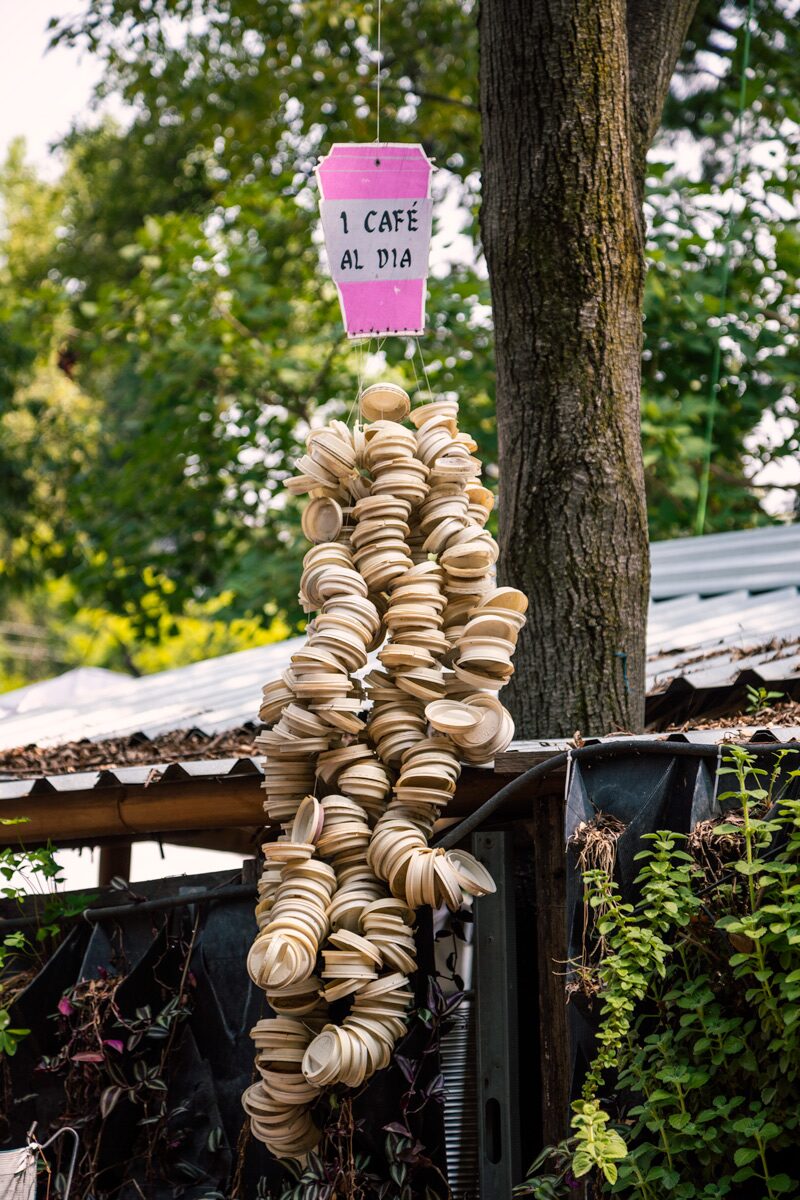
(759, 698)
(110, 1059)
(693, 1090)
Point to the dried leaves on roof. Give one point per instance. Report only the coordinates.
(186, 745)
(785, 713)
(182, 745)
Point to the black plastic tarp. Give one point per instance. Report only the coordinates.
(210, 1054)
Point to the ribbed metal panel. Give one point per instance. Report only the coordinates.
(720, 622)
(139, 776)
(215, 695)
(757, 560)
(457, 1060)
(221, 768)
(710, 643)
(716, 736)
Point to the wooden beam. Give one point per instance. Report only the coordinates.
(521, 756)
(85, 817)
(115, 862)
(550, 865)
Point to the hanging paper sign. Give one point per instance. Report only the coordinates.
(376, 212)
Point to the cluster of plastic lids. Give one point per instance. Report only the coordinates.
(362, 756)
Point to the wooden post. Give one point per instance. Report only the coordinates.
(115, 860)
(550, 861)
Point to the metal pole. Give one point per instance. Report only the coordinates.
(496, 1021)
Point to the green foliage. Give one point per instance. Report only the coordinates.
(687, 211)
(550, 1176)
(23, 873)
(107, 1053)
(9, 1038)
(758, 698)
(170, 281)
(693, 1091)
(637, 953)
(96, 637)
(48, 629)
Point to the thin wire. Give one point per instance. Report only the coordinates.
(716, 361)
(42, 1146)
(378, 81)
(414, 369)
(424, 369)
(359, 383)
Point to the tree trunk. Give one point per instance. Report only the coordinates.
(563, 235)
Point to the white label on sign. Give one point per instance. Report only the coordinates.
(377, 239)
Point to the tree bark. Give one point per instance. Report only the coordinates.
(562, 227)
(657, 30)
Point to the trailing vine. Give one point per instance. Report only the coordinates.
(110, 1059)
(693, 1089)
(25, 873)
(637, 951)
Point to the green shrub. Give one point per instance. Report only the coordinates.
(693, 1092)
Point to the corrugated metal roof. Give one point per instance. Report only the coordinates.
(81, 683)
(710, 643)
(706, 643)
(214, 695)
(138, 776)
(221, 769)
(758, 560)
(544, 748)
(704, 639)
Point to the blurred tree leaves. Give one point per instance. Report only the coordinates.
(171, 280)
(49, 630)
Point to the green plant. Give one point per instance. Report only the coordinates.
(110, 1057)
(25, 872)
(551, 1176)
(637, 950)
(693, 1090)
(164, 325)
(759, 698)
(9, 1038)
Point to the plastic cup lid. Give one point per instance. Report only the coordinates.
(384, 401)
(472, 876)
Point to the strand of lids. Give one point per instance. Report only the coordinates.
(400, 564)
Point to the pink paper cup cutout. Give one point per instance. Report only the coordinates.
(376, 212)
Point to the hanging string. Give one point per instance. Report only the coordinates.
(414, 368)
(378, 79)
(424, 368)
(357, 398)
(360, 359)
(716, 361)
